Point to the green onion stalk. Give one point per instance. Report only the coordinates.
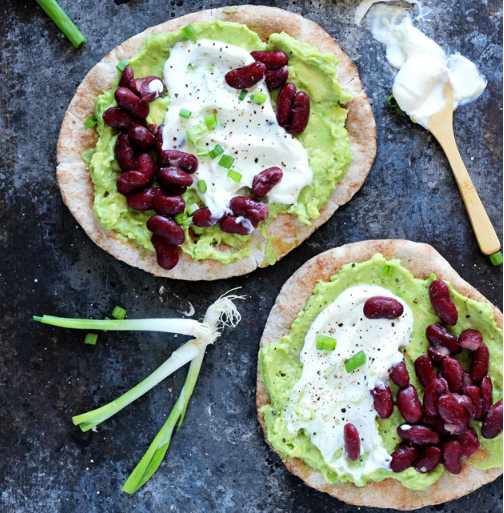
(58, 15)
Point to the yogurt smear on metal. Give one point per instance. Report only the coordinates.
(327, 397)
(194, 76)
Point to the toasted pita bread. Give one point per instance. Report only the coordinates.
(77, 188)
(421, 260)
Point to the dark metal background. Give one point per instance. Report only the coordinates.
(219, 460)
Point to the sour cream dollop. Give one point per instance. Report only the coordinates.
(194, 76)
(327, 397)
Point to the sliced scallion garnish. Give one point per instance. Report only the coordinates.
(196, 132)
(119, 313)
(234, 175)
(258, 97)
(211, 120)
(90, 122)
(122, 64)
(243, 95)
(496, 258)
(218, 150)
(325, 343)
(355, 362)
(192, 208)
(91, 338)
(188, 30)
(226, 161)
(202, 152)
(202, 187)
(184, 113)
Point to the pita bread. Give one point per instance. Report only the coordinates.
(421, 260)
(77, 188)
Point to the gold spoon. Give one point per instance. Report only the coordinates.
(441, 127)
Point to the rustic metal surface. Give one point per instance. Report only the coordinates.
(219, 460)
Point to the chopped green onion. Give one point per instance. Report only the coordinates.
(188, 30)
(119, 313)
(122, 64)
(386, 269)
(229, 10)
(243, 95)
(355, 362)
(90, 122)
(196, 132)
(258, 97)
(496, 258)
(226, 161)
(202, 152)
(391, 270)
(391, 102)
(211, 120)
(218, 150)
(202, 186)
(184, 113)
(325, 343)
(234, 175)
(192, 208)
(58, 15)
(180, 218)
(91, 338)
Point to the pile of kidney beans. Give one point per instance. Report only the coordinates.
(437, 430)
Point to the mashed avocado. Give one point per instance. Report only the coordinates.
(281, 367)
(325, 139)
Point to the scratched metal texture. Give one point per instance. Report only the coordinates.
(219, 460)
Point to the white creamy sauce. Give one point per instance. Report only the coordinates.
(365, 5)
(424, 67)
(327, 397)
(155, 86)
(194, 76)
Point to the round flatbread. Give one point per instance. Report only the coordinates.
(421, 260)
(77, 188)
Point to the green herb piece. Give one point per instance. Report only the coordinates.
(258, 97)
(211, 120)
(226, 161)
(202, 186)
(58, 15)
(119, 313)
(188, 30)
(122, 64)
(184, 113)
(229, 10)
(91, 338)
(196, 132)
(355, 362)
(325, 343)
(218, 150)
(180, 218)
(392, 103)
(496, 258)
(90, 122)
(234, 175)
(202, 152)
(192, 208)
(243, 95)
(391, 270)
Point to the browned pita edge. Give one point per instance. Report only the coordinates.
(421, 260)
(78, 191)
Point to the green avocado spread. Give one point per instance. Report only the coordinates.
(325, 140)
(281, 368)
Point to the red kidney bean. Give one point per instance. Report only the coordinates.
(453, 372)
(451, 411)
(141, 137)
(474, 393)
(159, 140)
(300, 113)
(404, 457)
(146, 165)
(126, 77)
(467, 403)
(492, 425)
(424, 370)
(142, 87)
(352, 441)
(429, 460)
(247, 76)
(143, 200)
(116, 117)
(436, 423)
(409, 404)
(486, 391)
(169, 176)
(257, 215)
(442, 303)
(272, 60)
(437, 354)
(185, 161)
(166, 228)
(254, 209)
(467, 379)
(399, 374)
(130, 181)
(383, 400)
(168, 205)
(238, 225)
(264, 181)
(470, 339)
(469, 443)
(382, 308)
(419, 435)
(438, 335)
(455, 429)
(434, 389)
(284, 103)
(124, 153)
(167, 254)
(203, 218)
(276, 78)
(480, 361)
(451, 457)
(129, 101)
(153, 129)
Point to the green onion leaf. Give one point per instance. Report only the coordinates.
(122, 65)
(202, 152)
(356, 361)
(90, 122)
(391, 102)
(211, 120)
(196, 132)
(188, 30)
(218, 150)
(119, 313)
(234, 175)
(184, 113)
(325, 343)
(496, 258)
(91, 338)
(258, 97)
(192, 208)
(243, 95)
(202, 186)
(180, 218)
(58, 15)
(391, 270)
(226, 161)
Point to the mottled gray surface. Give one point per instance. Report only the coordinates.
(219, 460)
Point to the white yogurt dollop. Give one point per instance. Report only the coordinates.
(194, 76)
(327, 397)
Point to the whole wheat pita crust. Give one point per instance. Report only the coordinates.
(78, 190)
(421, 260)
